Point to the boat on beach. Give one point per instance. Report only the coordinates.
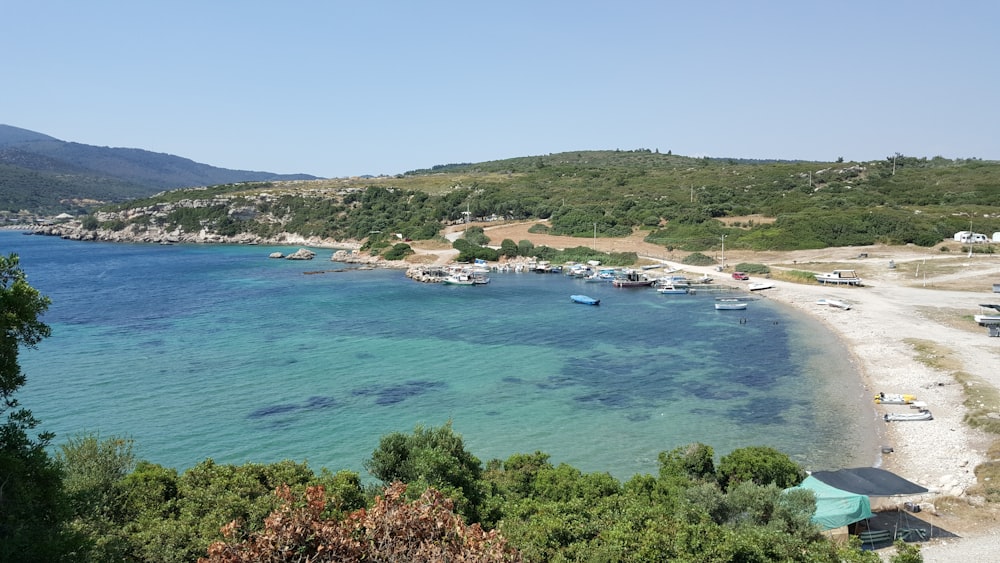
(839, 277)
(901, 417)
(894, 399)
(585, 300)
(834, 303)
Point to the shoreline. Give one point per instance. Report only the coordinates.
(889, 315)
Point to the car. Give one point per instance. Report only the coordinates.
(740, 276)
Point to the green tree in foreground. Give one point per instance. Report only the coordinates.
(431, 457)
(33, 513)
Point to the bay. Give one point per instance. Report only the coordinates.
(219, 352)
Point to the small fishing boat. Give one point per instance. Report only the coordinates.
(671, 289)
(730, 305)
(900, 417)
(758, 286)
(834, 303)
(839, 277)
(894, 399)
(585, 300)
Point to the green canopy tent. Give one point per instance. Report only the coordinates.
(835, 507)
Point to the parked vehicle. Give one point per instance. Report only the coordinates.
(740, 276)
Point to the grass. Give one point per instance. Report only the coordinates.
(795, 276)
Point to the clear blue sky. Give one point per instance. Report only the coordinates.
(341, 88)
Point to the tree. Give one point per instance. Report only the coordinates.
(33, 513)
(694, 461)
(392, 530)
(762, 465)
(431, 457)
(93, 475)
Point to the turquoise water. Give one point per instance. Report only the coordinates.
(220, 352)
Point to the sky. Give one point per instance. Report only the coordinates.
(346, 88)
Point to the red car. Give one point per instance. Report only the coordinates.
(740, 276)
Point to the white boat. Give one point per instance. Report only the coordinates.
(894, 399)
(899, 417)
(671, 289)
(839, 277)
(631, 278)
(730, 305)
(834, 303)
(466, 278)
(758, 286)
(989, 318)
(459, 279)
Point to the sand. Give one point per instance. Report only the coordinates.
(929, 297)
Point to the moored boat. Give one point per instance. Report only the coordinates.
(730, 305)
(585, 300)
(671, 289)
(631, 278)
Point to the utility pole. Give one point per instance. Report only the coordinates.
(723, 252)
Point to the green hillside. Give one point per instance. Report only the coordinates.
(678, 201)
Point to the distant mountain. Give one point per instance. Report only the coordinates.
(45, 175)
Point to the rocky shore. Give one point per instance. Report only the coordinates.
(156, 235)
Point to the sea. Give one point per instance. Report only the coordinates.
(219, 352)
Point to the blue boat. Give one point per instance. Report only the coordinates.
(583, 299)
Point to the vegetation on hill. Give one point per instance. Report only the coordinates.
(681, 203)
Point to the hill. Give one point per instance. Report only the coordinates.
(45, 175)
(675, 202)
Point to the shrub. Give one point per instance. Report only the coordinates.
(398, 252)
(698, 259)
(751, 268)
(762, 465)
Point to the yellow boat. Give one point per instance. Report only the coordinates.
(894, 399)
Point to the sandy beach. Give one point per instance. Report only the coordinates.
(910, 330)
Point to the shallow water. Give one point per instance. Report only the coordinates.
(220, 352)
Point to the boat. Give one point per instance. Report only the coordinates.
(758, 286)
(730, 305)
(834, 303)
(706, 279)
(899, 417)
(894, 399)
(671, 289)
(631, 278)
(989, 318)
(458, 279)
(839, 277)
(465, 277)
(585, 300)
